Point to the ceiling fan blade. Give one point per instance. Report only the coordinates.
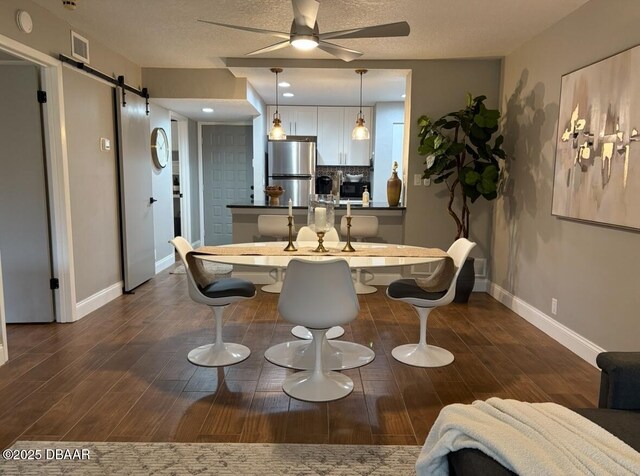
(305, 12)
(400, 28)
(277, 46)
(345, 54)
(277, 34)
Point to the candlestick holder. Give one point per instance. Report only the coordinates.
(348, 248)
(290, 246)
(320, 248)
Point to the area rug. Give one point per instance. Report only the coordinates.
(221, 270)
(84, 458)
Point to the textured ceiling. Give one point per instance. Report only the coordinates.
(166, 33)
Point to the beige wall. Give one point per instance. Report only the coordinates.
(590, 269)
(194, 83)
(88, 107)
(52, 35)
(439, 87)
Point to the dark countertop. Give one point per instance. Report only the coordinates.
(342, 206)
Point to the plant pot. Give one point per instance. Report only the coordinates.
(465, 282)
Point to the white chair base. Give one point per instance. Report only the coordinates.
(274, 288)
(218, 354)
(362, 288)
(302, 332)
(313, 386)
(336, 355)
(422, 355)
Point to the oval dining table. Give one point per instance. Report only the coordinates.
(336, 355)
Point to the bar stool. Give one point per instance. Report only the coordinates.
(274, 226)
(362, 227)
(307, 234)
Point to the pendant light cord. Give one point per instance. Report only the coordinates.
(276, 92)
(360, 93)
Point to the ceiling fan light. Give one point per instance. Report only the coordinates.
(277, 131)
(304, 42)
(360, 131)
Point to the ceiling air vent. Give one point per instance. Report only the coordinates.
(79, 47)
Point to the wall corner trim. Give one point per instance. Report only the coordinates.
(98, 299)
(573, 341)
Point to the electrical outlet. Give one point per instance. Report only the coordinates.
(554, 306)
(417, 179)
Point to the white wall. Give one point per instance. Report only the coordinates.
(387, 113)
(162, 189)
(259, 140)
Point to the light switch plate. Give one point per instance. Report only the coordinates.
(105, 144)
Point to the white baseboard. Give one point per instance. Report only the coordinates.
(165, 262)
(573, 341)
(98, 299)
(3, 355)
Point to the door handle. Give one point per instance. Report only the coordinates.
(152, 200)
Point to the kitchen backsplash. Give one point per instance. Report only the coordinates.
(346, 169)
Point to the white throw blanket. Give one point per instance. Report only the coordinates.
(527, 438)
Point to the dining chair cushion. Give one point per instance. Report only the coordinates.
(408, 288)
(229, 287)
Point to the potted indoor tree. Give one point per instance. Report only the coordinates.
(458, 152)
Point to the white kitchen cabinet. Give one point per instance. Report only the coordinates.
(296, 120)
(335, 146)
(330, 135)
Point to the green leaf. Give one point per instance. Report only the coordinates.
(451, 125)
(469, 99)
(424, 121)
(455, 148)
(469, 176)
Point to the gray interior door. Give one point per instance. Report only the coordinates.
(227, 167)
(134, 157)
(24, 221)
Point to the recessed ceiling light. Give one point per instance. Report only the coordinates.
(403, 96)
(288, 95)
(207, 109)
(284, 84)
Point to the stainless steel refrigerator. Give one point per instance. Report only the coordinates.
(292, 165)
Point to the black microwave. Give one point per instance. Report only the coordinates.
(354, 189)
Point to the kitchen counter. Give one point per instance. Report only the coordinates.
(244, 216)
(355, 205)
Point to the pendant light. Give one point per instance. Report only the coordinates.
(360, 131)
(277, 131)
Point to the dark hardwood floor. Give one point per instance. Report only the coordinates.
(121, 373)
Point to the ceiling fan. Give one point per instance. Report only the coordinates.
(305, 34)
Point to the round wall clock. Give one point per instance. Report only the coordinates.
(159, 147)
